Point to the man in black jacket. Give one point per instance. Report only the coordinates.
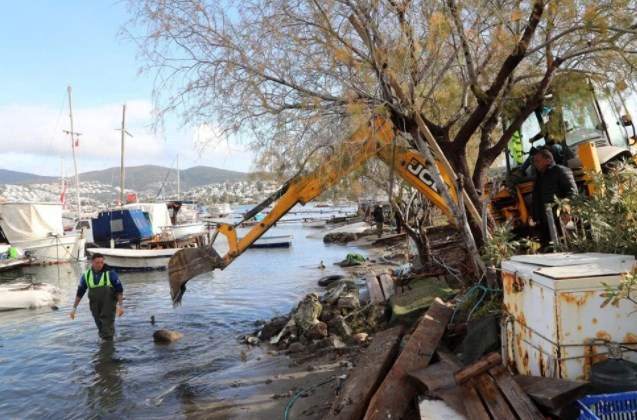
(551, 181)
(379, 218)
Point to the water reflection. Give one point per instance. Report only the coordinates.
(106, 392)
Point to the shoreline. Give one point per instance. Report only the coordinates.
(277, 377)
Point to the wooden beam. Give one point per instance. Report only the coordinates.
(519, 401)
(491, 396)
(362, 383)
(396, 393)
(480, 366)
(387, 283)
(472, 402)
(552, 393)
(375, 291)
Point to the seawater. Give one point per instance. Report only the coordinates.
(53, 367)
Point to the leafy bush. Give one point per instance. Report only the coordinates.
(499, 247)
(607, 220)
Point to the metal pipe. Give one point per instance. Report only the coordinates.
(548, 209)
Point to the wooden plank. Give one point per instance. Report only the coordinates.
(518, 400)
(472, 403)
(396, 393)
(491, 396)
(437, 381)
(552, 393)
(387, 283)
(478, 367)
(370, 370)
(375, 292)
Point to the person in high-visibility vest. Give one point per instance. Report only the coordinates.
(105, 295)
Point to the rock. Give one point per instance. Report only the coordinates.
(252, 340)
(166, 336)
(340, 237)
(349, 302)
(327, 314)
(317, 331)
(308, 312)
(259, 322)
(339, 326)
(273, 327)
(332, 342)
(361, 337)
(331, 297)
(296, 348)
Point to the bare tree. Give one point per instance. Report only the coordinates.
(301, 73)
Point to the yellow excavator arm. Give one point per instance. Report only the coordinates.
(374, 139)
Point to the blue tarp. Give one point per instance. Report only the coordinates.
(130, 225)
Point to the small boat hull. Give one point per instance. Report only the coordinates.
(315, 224)
(135, 259)
(55, 249)
(283, 241)
(27, 295)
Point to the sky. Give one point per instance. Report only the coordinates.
(45, 45)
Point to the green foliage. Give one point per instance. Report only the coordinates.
(606, 221)
(500, 246)
(614, 294)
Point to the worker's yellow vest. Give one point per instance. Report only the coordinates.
(515, 147)
(105, 279)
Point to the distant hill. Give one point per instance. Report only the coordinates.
(138, 177)
(14, 177)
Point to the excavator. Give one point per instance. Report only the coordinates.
(592, 133)
(509, 202)
(373, 139)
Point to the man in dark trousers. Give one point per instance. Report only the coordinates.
(552, 181)
(379, 218)
(105, 294)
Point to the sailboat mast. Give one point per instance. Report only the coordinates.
(178, 198)
(122, 170)
(73, 134)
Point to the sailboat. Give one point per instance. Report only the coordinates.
(143, 236)
(37, 228)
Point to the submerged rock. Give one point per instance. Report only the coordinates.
(166, 336)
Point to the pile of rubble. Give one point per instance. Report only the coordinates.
(335, 320)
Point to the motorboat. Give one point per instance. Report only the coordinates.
(135, 259)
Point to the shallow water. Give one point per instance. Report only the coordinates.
(51, 366)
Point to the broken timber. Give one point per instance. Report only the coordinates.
(397, 392)
(375, 292)
(352, 400)
(489, 391)
(552, 393)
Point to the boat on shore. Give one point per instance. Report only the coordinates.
(37, 229)
(314, 223)
(22, 294)
(274, 241)
(356, 227)
(135, 259)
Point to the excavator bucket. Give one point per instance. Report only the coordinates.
(188, 263)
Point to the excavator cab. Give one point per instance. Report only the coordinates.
(586, 133)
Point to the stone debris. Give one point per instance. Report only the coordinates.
(166, 336)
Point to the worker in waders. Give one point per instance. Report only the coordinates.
(105, 295)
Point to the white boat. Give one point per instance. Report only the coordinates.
(135, 259)
(36, 228)
(219, 210)
(279, 241)
(356, 227)
(315, 223)
(24, 295)
(167, 226)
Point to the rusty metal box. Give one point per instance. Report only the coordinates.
(554, 325)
